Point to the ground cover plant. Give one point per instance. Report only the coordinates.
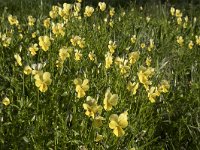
(83, 76)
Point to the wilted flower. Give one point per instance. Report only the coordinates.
(110, 100)
(118, 123)
(98, 138)
(81, 87)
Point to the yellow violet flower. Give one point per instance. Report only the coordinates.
(78, 55)
(172, 11)
(64, 53)
(112, 12)
(190, 45)
(110, 100)
(148, 61)
(92, 56)
(118, 123)
(98, 138)
(18, 59)
(132, 87)
(133, 57)
(31, 20)
(47, 23)
(6, 101)
(27, 70)
(91, 107)
(81, 87)
(197, 40)
(180, 40)
(33, 49)
(142, 45)
(133, 39)
(42, 80)
(178, 13)
(44, 42)
(179, 20)
(102, 6)
(109, 60)
(124, 68)
(164, 86)
(97, 122)
(88, 11)
(112, 46)
(58, 29)
(153, 93)
(13, 20)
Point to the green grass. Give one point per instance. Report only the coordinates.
(56, 119)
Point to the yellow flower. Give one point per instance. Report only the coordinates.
(102, 6)
(110, 100)
(172, 11)
(13, 20)
(33, 49)
(197, 40)
(27, 70)
(81, 43)
(91, 56)
(31, 20)
(88, 11)
(133, 39)
(180, 40)
(6, 101)
(91, 107)
(44, 42)
(132, 87)
(133, 57)
(112, 12)
(124, 68)
(64, 53)
(58, 29)
(118, 123)
(46, 23)
(142, 45)
(42, 80)
(164, 86)
(78, 55)
(109, 60)
(148, 61)
(18, 59)
(179, 20)
(97, 122)
(98, 138)
(153, 93)
(112, 46)
(178, 13)
(81, 87)
(151, 45)
(190, 45)
(77, 7)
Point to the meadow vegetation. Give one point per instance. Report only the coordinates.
(97, 76)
